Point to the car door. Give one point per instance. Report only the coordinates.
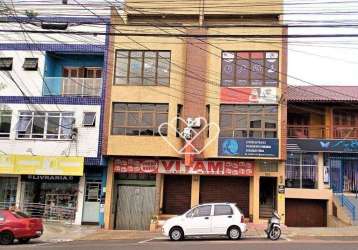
(198, 221)
(222, 219)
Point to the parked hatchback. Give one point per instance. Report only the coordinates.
(206, 220)
(17, 225)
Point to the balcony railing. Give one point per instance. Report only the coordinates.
(345, 132)
(304, 131)
(68, 86)
(319, 131)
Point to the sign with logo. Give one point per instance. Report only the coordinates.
(41, 165)
(314, 145)
(238, 95)
(149, 166)
(249, 147)
(50, 178)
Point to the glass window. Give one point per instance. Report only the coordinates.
(202, 211)
(89, 119)
(142, 68)
(253, 121)
(5, 123)
(301, 170)
(30, 64)
(45, 125)
(5, 63)
(222, 210)
(249, 68)
(139, 119)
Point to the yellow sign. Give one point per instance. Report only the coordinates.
(41, 165)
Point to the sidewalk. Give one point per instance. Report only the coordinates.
(58, 232)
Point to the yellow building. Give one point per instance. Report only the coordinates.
(184, 59)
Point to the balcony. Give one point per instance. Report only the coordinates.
(321, 132)
(305, 131)
(70, 86)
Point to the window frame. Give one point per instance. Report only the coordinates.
(26, 68)
(60, 136)
(247, 116)
(126, 79)
(89, 124)
(250, 70)
(155, 112)
(3, 66)
(2, 115)
(300, 166)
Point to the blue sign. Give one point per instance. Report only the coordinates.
(248, 147)
(313, 145)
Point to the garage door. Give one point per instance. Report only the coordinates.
(177, 194)
(226, 189)
(306, 213)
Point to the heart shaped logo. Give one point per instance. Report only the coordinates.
(195, 134)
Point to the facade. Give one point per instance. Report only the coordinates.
(51, 115)
(321, 166)
(156, 81)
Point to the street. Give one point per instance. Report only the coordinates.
(317, 243)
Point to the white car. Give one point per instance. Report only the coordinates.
(207, 219)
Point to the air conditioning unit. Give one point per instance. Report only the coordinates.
(193, 122)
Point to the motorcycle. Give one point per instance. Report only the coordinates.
(273, 230)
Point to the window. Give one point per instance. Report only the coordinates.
(89, 119)
(93, 191)
(222, 210)
(139, 119)
(200, 211)
(248, 121)
(301, 169)
(345, 123)
(5, 123)
(138, 67)
(45, 125)
(6, 63)
(249, 69)
(30, 64)
(179, 125)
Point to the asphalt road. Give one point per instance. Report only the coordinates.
(215, 244)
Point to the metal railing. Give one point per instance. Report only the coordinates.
(71, 86)
(345, 202)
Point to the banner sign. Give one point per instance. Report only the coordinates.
(41, 165)
(249, 147)
(249, 95)
(153, 166)
(50, 178)
(314, 145)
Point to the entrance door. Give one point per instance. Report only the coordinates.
(135, 207)
(92, 200)
(8, 187)
(336, 176)
(267, 196)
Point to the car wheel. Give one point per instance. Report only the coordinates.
(24, 240)
(6, 238)
(176, 234)
(234, 233)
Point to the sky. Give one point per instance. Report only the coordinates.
(323, 61)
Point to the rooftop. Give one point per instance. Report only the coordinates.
(322, 94)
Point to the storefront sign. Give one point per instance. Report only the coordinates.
(50, 178)
(248, 147)
(41, 165)
(313, 145)
(238, 95)
(149, 166)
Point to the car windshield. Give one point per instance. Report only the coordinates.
(20, 215)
